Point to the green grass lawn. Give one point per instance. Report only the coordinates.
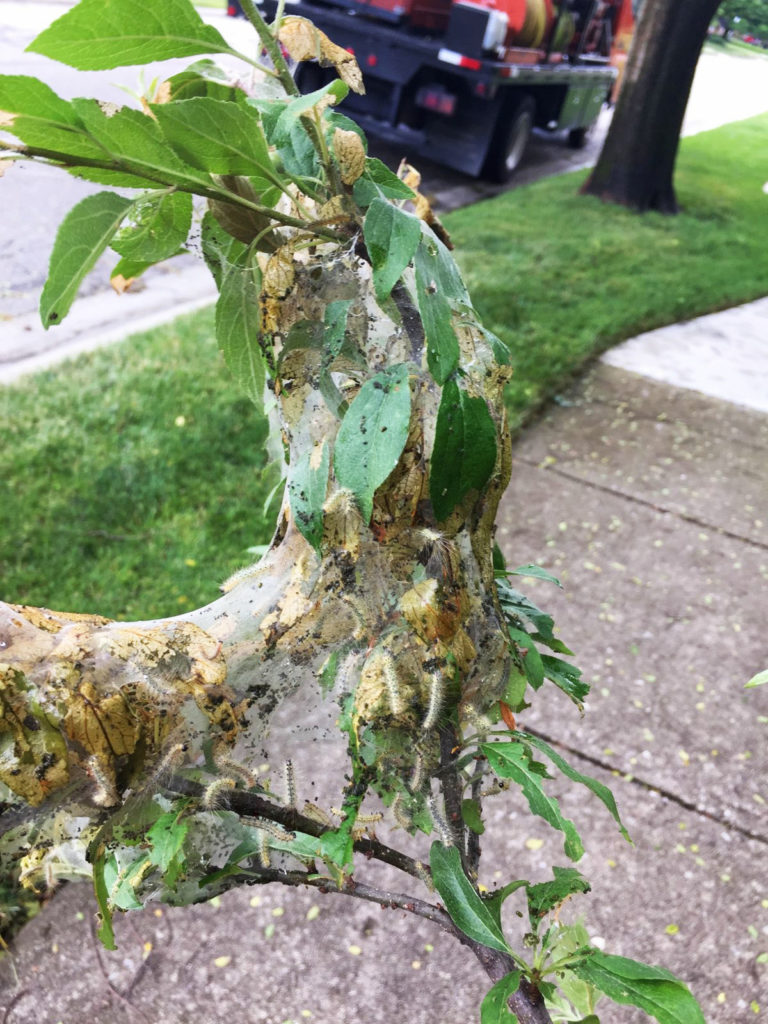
(734, 47)
(132, 481)
(561, 277)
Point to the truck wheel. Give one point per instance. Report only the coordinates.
(510, 140)
(577, 137)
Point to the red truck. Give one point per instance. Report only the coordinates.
(464, 83)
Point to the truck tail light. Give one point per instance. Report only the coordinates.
(459, 60)
(433, 97)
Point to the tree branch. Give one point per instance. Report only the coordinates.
(252, 805)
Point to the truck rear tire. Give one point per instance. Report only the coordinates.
(510, 140)
(577, 137)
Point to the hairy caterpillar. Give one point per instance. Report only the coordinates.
(436, 692)
(439, 822)
(214, 793)
(401, 815)
(289, 778)
(396, 701)
(417, 778)
(228, 764)
(106, 794)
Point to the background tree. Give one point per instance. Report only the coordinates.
(744, 16)
(130, 753)
(636, 165)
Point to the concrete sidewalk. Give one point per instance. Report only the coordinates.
(648, 499)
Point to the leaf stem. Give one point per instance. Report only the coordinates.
(271, 45)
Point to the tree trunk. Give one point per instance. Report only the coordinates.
(637, 162)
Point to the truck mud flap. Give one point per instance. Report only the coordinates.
(462, 141)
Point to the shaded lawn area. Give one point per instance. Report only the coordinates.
(133, 480)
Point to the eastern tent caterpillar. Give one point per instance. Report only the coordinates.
(436, 691)
(439, 822)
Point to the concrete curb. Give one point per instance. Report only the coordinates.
(101, 319)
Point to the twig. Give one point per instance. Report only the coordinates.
(473, 839)
(449, 780)
(252, 805)
(113, 990)
(17, 998)
(527, 1003)
(271, 45)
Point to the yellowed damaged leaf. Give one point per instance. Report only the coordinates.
(279, 275)
(350, 153)
(305, 42)
(121, 284)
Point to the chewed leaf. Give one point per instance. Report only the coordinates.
(465, 449)
(601, 791)
(512, 761)
(652, 989)
(83, 236)
(238, 321)
(545, 896)
(100, 34)
(307, 485)
(373, 434)
(391, 236)
(494, 1009)
(305, 42)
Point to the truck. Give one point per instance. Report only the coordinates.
(465, 82)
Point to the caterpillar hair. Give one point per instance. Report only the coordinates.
(439, 822)
(289, 778)
(424, 876)
(214, 793)
(436, 692)
(170, 760)
(264, 849)
(396, 701)
(402, 817)
(106, 794)
(417, 778)
(275, 830)
(310, 810)
(228, 764)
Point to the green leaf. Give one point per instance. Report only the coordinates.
(535, 572)
(466, 909)
(105, 932)
(517, 604)
(567, 677)
(391, 236)
(464, 454)
(337, 846)
(378, 180)
(495, 900)
(238, 322)
(221, 251)
(601, 791)
(83, 236)
(203, 78)
(652, 989)
(545, 896)
(759, 680)
(494, 1009)
(100, 34)
(510, 760)
(373, 434)
(307, 487)
(42, 118)
(217, 136)
(134, 141)
(333, 91)
(470, 812)
(158, 228)
(532, 663)
(436, 313)
(327, 675)
(167, 837)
